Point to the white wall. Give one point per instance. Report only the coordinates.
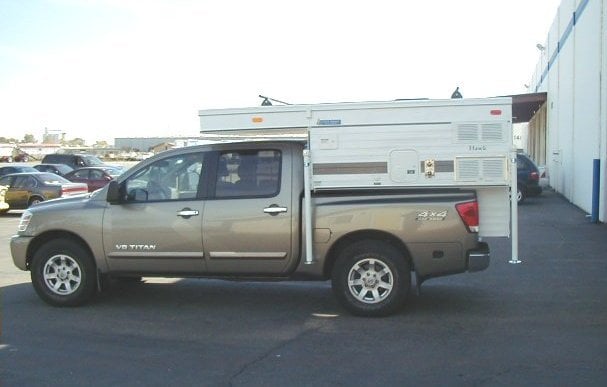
(577, 95)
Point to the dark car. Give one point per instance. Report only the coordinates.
(27, 189)
(57, 169)
(72, 160)
(94, 177)
(15, 169)
(528, 178)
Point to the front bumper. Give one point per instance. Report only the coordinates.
(19, 245)
(478, 259)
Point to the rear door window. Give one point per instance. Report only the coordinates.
(246, 174)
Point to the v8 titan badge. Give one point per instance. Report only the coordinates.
(429, 215)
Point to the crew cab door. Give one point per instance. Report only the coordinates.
(156, 227)
(248, 221)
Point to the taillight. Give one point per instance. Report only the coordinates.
(534, 176)
(468, 211)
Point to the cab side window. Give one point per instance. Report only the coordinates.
(82, 174)
(24, 182)
(247, 174)
(96, 174)
(172, 178)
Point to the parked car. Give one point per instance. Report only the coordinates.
(3, 204)
(528, 178)
(27, 189)
(94, 177)
(5, 170)
(7, 156)
(57, 169)
(73, 160)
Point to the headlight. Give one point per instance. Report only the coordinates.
(25, 221)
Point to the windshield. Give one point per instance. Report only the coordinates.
(52, 179)
(114, 172)
(92, 160)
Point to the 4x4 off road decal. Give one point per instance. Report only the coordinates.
(431, 215)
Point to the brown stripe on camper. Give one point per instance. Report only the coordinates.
(349, 168)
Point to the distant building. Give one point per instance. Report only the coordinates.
(52, 136)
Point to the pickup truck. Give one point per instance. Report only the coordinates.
(234, 211)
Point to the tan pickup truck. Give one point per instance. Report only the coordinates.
(234, 210)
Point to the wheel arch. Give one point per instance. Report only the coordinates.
(52, 235)
(381, 236)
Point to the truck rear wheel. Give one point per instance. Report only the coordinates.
(371, 278)
(63, 273)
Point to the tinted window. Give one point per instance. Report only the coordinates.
(248, 174)
(82, 174)
(58, 159)
(96, 174)
(51, 179)
(25, 182)
(64, 168)
(91, 160)
(7, 181)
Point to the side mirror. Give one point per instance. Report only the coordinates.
(113, 192)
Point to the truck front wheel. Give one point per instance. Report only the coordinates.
(371, 278)
(63, 273)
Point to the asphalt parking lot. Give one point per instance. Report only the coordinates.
(542, 322)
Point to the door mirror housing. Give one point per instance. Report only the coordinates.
(113, 192)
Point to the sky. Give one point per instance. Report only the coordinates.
(101, 69)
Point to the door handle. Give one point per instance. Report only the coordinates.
(186, 213)
(274, 209)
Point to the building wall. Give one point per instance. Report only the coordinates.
(569, 70)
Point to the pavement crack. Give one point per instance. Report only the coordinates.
(265, 355)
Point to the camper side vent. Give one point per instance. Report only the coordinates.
(480, 169)
(493, 169)
(467, 169)
(467, 132)
(492, 132)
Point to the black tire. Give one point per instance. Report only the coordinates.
(371, 278)
(63, 273)
(521, 195)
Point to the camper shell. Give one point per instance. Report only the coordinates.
(415, 144)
